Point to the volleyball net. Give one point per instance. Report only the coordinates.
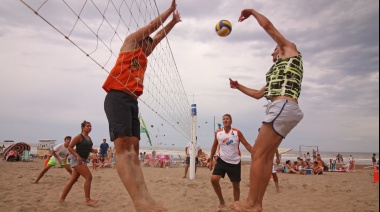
(98, 29)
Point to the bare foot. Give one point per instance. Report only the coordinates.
(62, 203)
(244, 206)
(91, 202)
(220, 207)
(155, 207)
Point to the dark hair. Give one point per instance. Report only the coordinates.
(84, 124)
(67, 137)
(228, 116)
(150, 39)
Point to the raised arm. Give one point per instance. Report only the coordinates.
(140, 34)
(287, 48)
(163, 32)
(257, 94)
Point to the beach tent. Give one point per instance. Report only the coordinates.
(284, 150)
(20, 147)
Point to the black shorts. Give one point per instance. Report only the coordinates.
(233, 170)
(188, 160)
(122, 112)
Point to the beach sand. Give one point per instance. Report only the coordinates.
(328, 192)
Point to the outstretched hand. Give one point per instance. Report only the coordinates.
(174, 5)
(234, 84)
(245, 14)
(176, 16)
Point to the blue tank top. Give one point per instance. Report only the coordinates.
(84, 147)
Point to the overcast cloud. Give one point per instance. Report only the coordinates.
(48, 87)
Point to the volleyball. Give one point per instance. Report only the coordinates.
(223, 28)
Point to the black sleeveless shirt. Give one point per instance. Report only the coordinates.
(84, 147)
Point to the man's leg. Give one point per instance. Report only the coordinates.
(218, 190)
(236, 190)
(131, 175)
(261, 168)
(48, 166)
(275, 179)
(186, 169)
(68, 168)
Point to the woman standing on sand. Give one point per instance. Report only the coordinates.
(83, 144)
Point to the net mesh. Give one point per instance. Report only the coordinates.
(98, 29)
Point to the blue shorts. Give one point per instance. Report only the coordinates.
(122, 112)
(284, 116)
(188, 160)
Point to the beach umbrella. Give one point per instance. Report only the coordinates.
(19, 147)
(284, 150)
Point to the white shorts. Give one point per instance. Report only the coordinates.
(284, 116)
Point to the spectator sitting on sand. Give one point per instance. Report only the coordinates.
(289, 169)
(316, 168)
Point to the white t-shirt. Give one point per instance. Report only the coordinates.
(228, 149)
(197, 148)
(61, 151)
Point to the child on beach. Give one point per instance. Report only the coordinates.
(94, 160)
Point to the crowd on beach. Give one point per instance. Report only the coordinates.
(306, 165)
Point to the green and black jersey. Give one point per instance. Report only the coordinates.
(285, 77)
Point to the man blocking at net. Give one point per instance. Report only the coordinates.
(123, 86)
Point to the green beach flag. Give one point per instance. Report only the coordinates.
(144, 130)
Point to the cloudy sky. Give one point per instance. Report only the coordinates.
(48, 86)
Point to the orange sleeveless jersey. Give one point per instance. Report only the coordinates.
(128, 72)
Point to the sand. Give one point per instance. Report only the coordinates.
(329, 192)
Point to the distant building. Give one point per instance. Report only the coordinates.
(45, 146)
